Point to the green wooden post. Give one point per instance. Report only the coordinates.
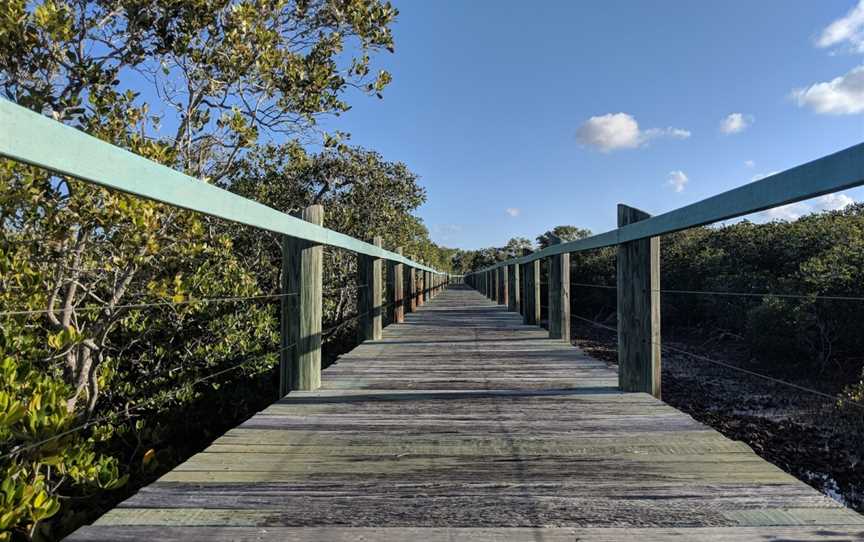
(638, 309)
(398, 291)
(369, 298)
(302, 275)
(559, 296)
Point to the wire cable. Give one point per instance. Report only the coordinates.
(727, 365)
(139, 406)
(156, 304)
(735, 294)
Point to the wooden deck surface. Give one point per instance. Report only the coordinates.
(464, 424)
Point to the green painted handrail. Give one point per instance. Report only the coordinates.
(838, 171)
(26, 136)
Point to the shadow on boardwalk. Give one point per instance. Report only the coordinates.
(465, 424)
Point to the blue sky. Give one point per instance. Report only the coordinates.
(521, 116)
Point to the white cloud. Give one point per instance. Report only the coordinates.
(749, 163)
(794, 211)
(842, 95)
(513, 211)
(446, 232)
(621, 131)
(847, 30)
(736, 122)
(677, 180)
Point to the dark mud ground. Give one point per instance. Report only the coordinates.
(804, 434)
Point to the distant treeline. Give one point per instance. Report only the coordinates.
(811, 272)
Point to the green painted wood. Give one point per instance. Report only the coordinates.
(466, 417)
(638, 277)
(398, 291)
(34, 139)
(304, 263)
(832, 173)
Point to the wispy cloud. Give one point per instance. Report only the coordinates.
(842, 95)
(735, 123)
(749, 163)
(446, 232)
(615, 131)
(677, 179)
(513, 211)
(845, 31)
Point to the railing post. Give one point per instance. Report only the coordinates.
(427, 279)
(503, 279)
(398, 290)
(412, 289)
(369, 298)
(638, 309)
(513, 288)
(531, 315)
(302, 275)
(559, 297)
(495, 286)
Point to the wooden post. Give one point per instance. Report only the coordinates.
(535, 274)
(302, 275)
(412, 289)
(503, 279)
(559, 297)
(638, 309)
(527, 299)
(495, 285)
(398, 291)
(512, 288)
(427, 285)
(419, 288)
(369, 298)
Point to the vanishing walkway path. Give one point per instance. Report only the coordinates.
(465, 424)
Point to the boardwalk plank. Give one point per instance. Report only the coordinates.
(464, 424)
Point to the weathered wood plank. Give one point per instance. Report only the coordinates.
(303, 272)
(638, 276)
(462, 416)
(433, 534)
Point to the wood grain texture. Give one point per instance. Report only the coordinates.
(462, 423)
(638, 276)
(412, 289)
(398, 290)
(369, 295)
(512, 288)
(303, 271)
(559, 297)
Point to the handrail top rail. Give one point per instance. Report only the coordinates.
(838, 171)
(28, 137)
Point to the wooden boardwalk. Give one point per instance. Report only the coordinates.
(464, 424)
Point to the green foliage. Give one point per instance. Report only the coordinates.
(561, 234)
(109, 350)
